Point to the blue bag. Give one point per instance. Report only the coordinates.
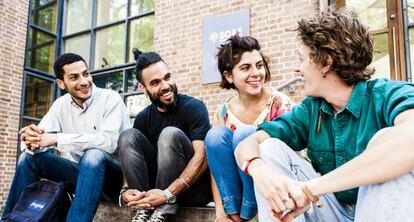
(41, 202)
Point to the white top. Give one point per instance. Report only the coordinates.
(97, 125)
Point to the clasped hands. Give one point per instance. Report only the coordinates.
(285, 196)
(143, 200)
(35, 137)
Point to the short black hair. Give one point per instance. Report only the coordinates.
(143, 60)
(64, 59)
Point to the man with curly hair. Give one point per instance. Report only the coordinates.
(359, 135)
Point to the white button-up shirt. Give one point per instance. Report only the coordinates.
(96, 125)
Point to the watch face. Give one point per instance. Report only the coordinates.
(171, 199)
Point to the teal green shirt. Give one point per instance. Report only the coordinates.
(340, 137)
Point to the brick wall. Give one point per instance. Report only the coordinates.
(178, 38)
(13, 24)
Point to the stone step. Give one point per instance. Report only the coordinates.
(109, 212)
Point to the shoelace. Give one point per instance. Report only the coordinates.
(158, 217)
(141, 216)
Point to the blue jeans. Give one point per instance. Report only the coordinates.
(388, 201)
(96, 175)
(235, 187)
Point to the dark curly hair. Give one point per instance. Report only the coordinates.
(230, 53)
(341, 35)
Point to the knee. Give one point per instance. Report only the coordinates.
(170, 134)
(272, 149)
(241, 133)
(127, 140)
(217, 137)
(93, 158)
(25, 159)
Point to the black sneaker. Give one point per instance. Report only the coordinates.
(141, 216)
(158, 216)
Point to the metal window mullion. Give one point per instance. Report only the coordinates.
(127, 29)
(406, 28)
(92, 32)
(43, 30)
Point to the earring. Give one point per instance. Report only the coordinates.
(324, 75)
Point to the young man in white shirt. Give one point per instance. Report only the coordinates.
(86, 122)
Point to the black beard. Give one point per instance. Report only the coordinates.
(164, 106)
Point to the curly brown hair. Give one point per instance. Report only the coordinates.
(230, 53)
(341, 35)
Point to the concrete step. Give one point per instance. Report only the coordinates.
(109, 212)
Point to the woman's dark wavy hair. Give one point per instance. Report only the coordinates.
(143, 60)
(230, 53)
(341, 35)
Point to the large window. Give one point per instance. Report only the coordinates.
(106, 40)
(103, 32)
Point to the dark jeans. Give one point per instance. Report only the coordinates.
(96, 176)
(146, 167)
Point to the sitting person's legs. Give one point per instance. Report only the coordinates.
(236, 188)
(389, 201)
(249, 205)
(138, 159)
(285, 161)
(174, 152)
(95, 168)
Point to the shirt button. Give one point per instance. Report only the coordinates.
(320, 159)
(340, 159)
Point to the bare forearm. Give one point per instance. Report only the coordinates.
(249, 148)
(389, 156)
(195, 168)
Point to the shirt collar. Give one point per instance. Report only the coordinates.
(354, 105)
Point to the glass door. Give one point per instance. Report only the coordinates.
(385, 21)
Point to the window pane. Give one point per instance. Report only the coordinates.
(141, 35)
(111, 10)
(136, 103)
(110, 46)
(44, 17)
(372, 12)
(41, 50)
(140, 6)
(112, 81)
(410, 4)
(411, 33)
(79, 45)
(78, 15)
(381, 60)
(38, 95)
(132, 81)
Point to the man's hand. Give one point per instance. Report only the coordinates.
(153, 198)
(281, 193)
(131, 196)
(46, 139)
(31, 134)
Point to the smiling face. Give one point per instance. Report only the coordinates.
(249, 74)
(310, 71)
(158, 84)
(77, 82)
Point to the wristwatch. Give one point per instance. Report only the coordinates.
(171, 198)
(245, 164)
